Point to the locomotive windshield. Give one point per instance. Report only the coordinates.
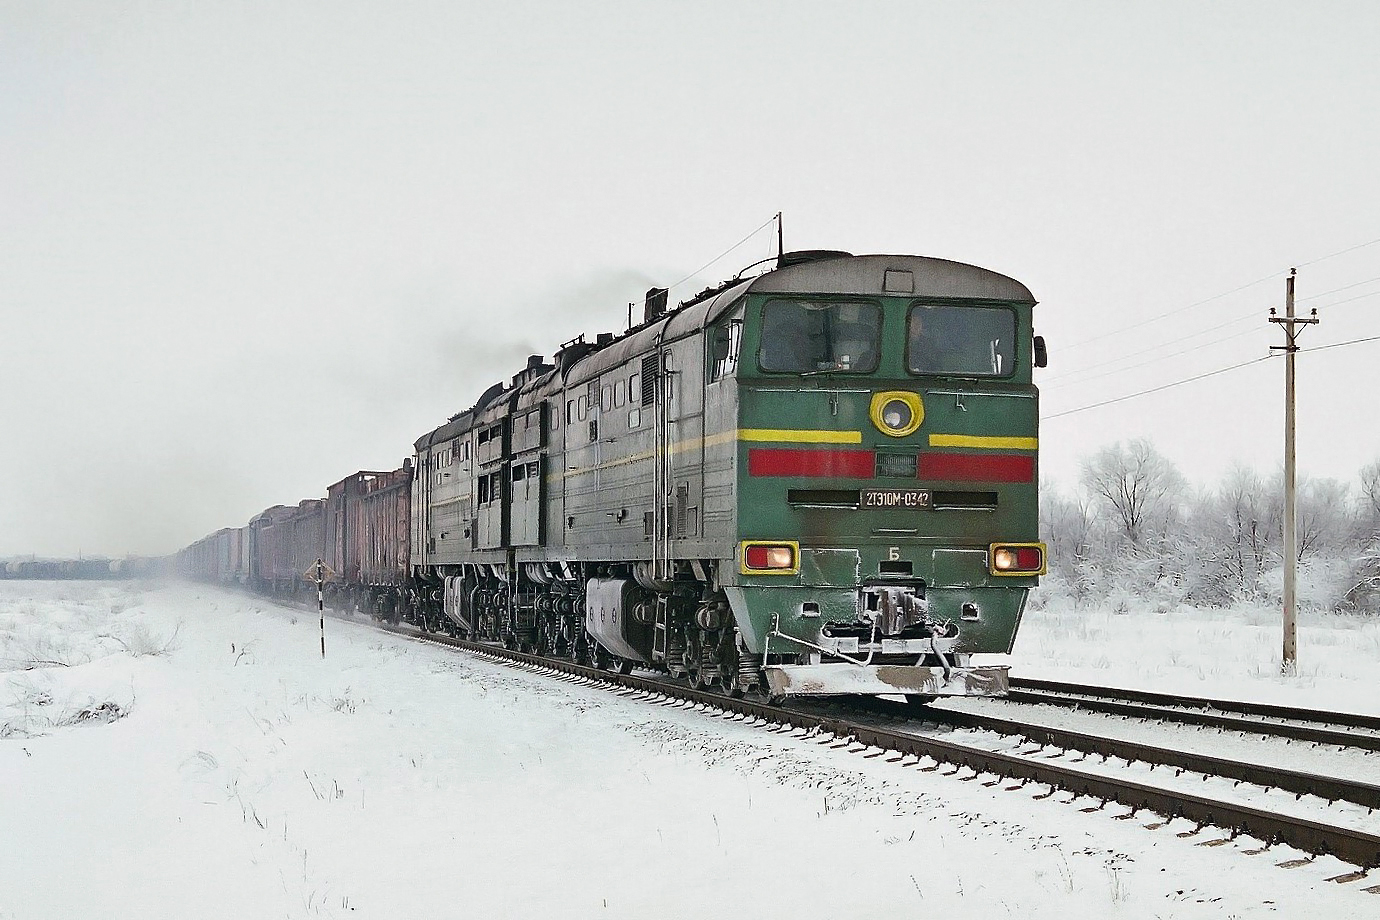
(801, 336)
(961, 341)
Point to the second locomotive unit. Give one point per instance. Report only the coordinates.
(821, 480)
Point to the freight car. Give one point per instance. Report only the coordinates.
(359, 531)
(222, 557)
(820, 480)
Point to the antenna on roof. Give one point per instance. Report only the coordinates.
(780, 239)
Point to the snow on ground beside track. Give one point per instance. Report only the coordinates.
(229, 771)
(1225, 653)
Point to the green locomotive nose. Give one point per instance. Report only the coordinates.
(886, 462)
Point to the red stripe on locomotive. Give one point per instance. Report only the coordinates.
(977, 467)
(776, 461)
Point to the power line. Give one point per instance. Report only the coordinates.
(1174, 312)
(768, 222)
(1120, 366)
(1345, 287)
(1128, 367)
(1373, 338)
(1235, 290)
(1166, 386)
(1340, 252)
(1335, 303)
(1193, 335)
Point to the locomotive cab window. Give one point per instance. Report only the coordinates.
(723, 349)
(961, 341)
(809, 337)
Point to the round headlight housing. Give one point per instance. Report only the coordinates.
(897, 412)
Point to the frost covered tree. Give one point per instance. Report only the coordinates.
(1251, 526)
(1139, 488)
(1365, 593)
(1324, 517)
(1068, 525)
(1136, 531)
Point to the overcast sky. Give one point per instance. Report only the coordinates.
(247, 248)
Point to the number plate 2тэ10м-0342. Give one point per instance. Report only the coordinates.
(895, 498)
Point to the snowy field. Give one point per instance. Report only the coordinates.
(1231, 653)
(180, 751)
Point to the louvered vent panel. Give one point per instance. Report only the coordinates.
(649, 380)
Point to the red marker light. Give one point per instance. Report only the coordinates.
(1018, 559)
(769, 557)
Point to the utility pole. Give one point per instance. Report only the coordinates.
(1290, 324)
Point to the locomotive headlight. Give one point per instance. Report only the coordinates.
(1017, 558)
(897, 412)
(762, 557)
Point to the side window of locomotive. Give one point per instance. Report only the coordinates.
(808, 337)
(619, 396)
(961, 341)
(490, 488)
(724, 340)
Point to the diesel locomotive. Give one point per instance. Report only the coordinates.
(821, 480)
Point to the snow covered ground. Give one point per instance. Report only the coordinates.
(183, 751)
(1232, 653)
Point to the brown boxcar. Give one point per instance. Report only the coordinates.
(272, 540)
(367, 528)
(350, 521)
(383, 539)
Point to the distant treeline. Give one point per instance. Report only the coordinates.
(1135, 527)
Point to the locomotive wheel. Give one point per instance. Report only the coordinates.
(624, 666)
(918, 702)
(599, 658)
(728, 669)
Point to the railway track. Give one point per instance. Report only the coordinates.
(1309, 725)
(1300, 783)
(885, 729)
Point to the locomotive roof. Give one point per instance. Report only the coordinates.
(869, 275)
(929, 277)
(875, 275)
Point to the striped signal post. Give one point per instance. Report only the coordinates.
(320, 570)
(1290, 323)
